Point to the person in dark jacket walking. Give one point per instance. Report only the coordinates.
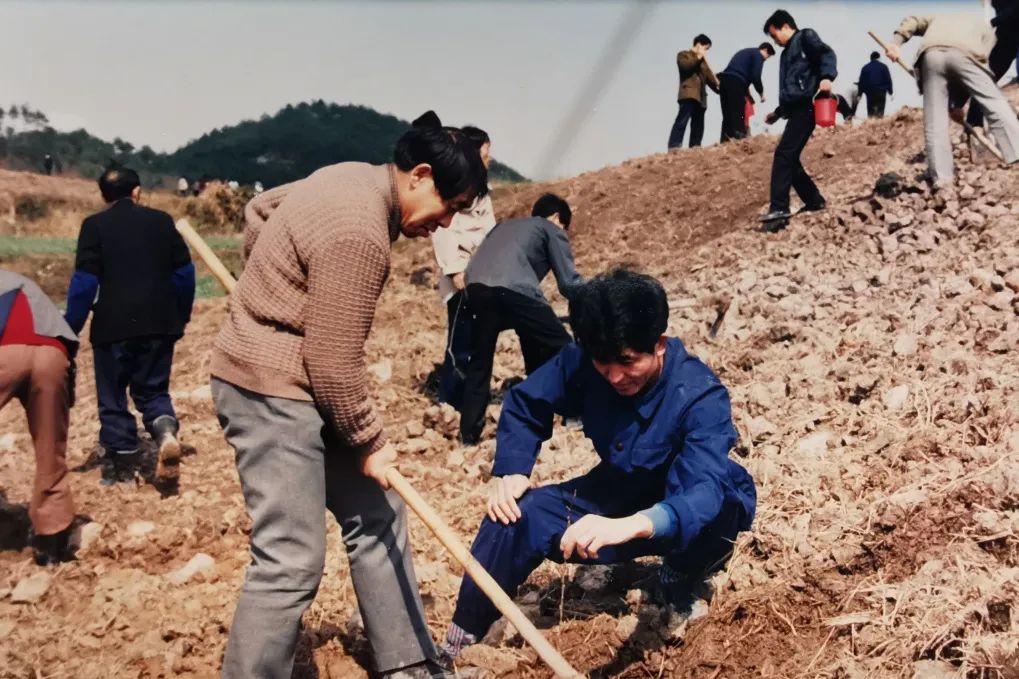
(695, 76)
(744, 70)
(140, 267)
(37, 351)
(876, 83)
(504, 292)
(661, 422)
(807, 68)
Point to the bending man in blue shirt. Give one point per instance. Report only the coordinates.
(661, 422)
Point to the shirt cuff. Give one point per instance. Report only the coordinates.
(664, 522)
(507, 466)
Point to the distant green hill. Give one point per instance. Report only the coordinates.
(275, 149)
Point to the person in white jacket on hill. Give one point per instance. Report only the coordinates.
(453, 249)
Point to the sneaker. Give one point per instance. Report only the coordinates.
(775, 221)
(50, 550)
(164, 432)
(122, 467)
(429, 669)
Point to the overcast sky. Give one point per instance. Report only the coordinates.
(562, 87)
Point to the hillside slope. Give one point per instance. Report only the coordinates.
(870, 356)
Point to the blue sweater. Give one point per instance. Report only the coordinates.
(668, 447)
(747, 64)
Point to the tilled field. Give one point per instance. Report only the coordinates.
(871, 356)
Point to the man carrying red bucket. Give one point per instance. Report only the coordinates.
(807, 69)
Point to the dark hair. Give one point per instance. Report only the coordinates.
(875, 55)
(455, 161)
(767, 47)
(779, 19)
(551, 204)
(427, 119)
(619, 310)
(702, 40)
(118, 182)
(476, 135)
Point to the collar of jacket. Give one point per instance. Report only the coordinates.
(121, 203)
(647, 404)
(394, 207)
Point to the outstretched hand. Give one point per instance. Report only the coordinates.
(592, 532)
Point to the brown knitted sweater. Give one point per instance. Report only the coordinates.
(317, 257)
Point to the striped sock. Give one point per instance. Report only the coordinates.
(457, 638)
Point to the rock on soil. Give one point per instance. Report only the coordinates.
(31, 589)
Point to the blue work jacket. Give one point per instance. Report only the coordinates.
(670, 443)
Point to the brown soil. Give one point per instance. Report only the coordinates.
(885, 542)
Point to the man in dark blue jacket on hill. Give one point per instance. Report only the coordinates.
(875, 82)
(744, 70)
(807, 69)
(134, 273)
(661, 422)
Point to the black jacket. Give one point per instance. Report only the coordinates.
(133, 251)
(805, 62)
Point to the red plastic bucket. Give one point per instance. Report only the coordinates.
(824, 110)
(748, 111)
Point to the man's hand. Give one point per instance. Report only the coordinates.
(763, 99)
(771, 118)
(892, 52)
(458, 280)
(593, 532)
(502, 500)
(375, 465)
(824, 86)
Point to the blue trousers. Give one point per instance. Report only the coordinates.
(510, 553)
(690, 112)
(453, 372)
(141, 365)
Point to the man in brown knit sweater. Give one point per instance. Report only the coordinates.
(291, 390)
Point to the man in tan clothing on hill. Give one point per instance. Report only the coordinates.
(291, 391)
(695, 76)
(952, 65)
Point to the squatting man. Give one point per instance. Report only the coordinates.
(659, 419)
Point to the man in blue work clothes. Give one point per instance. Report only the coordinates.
(875, 82)
(661, 422)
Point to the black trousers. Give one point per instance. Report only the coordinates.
(733, 93)
(876, 104)
(141, 366)
(787, 171)
(999, 61)
(691, 112)
(541, 335)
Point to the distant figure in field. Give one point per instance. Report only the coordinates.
(807, 68)
(135, 261)
(182, 187)
(744, 70)
(952, 64)
(36, 352)
(258, 188)
(504, 292)
(876, 84)
(695, 76)
(47, 164)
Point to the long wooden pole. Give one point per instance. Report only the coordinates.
(203, 250)
(969, 128)
(484, 581)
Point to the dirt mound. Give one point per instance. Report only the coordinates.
(870, 355)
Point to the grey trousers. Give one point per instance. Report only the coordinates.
(291, 471)
(945, 67)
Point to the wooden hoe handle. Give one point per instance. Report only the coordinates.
(203, 250)
(488, 585)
